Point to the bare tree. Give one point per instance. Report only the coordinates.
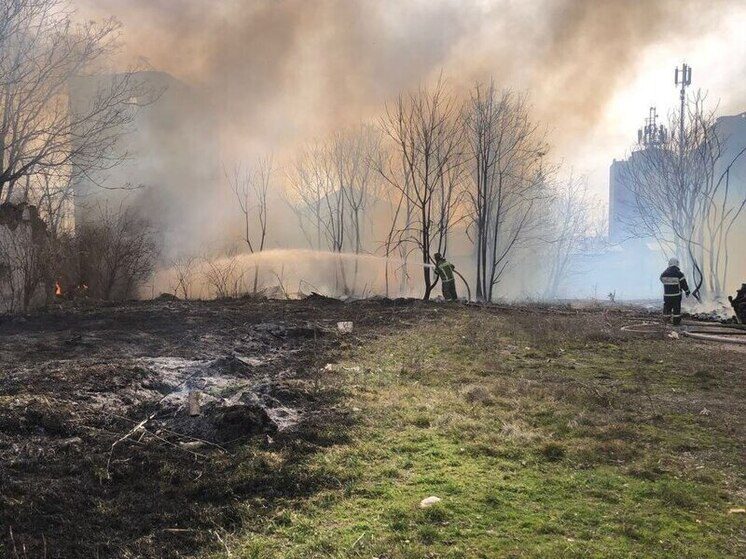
(507, 179)
(118, 253)
(52, 194)
(251, 187)
(319, 196)
(41, 133)
(400, 209)
(682, 200)
(399, 218)
(356, 156)
(572, 223)
(184, 268)
(316, 199)
(333, 186)
(426, 168)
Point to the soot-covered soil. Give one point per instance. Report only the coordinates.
(99, 455)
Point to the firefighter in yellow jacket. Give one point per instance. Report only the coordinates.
(444, 270)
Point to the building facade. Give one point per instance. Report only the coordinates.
(170, 169)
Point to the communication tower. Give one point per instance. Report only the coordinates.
(652, 134)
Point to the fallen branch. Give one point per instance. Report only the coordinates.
(126, 436)
(221, 540)
(176, 433)
(141, 424)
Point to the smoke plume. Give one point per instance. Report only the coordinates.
(284, 70)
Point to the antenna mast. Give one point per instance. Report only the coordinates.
(651, 135)
(683, 78)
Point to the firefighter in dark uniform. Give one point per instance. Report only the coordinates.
(444, 270)
(674, 283)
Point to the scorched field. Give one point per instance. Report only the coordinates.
(255, 428)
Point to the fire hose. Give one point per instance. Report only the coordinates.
(724, 333)
(739, 338)
(711, 332)
(466, 283)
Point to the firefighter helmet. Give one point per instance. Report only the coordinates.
(673, 261)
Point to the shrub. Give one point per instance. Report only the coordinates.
(117, 253)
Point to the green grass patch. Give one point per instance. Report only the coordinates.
(542, 439)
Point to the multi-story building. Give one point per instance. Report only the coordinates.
(171, 170)
(625, 230)
(624, 213)
(732, 168)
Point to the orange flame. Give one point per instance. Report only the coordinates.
(57, 289)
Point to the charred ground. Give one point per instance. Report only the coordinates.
(546, 431)
(76, 380)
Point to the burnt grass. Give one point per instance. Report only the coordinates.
(69, 489)
(546, 409)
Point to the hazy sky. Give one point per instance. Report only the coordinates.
(283, 71)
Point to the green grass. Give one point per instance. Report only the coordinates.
(544, 437)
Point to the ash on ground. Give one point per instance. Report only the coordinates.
(99, 453)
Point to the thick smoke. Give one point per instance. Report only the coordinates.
(282, 70)
(592, 48)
